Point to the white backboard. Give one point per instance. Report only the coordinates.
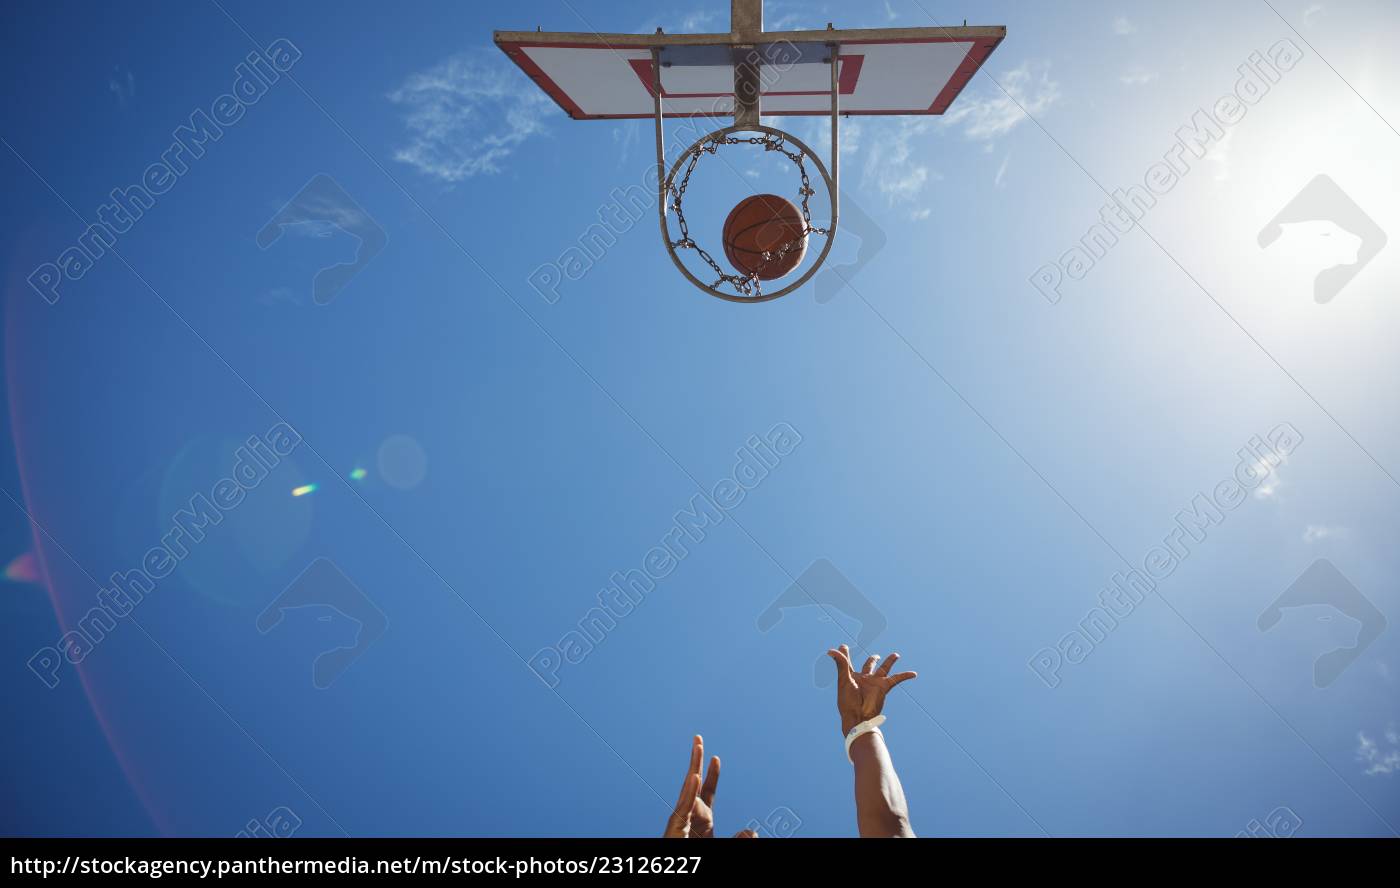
(881, 71)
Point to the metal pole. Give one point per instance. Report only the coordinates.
(660, 141)
(746, 28)
(835, 49)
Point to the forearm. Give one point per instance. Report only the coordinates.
(881, 811)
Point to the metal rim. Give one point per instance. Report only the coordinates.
(831, 202)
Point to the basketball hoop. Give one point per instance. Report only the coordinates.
(748, 18)
(747, 287)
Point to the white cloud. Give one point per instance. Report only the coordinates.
(993, 113)
(696, 21)
(817, 133)
(1219, 154)
(1001, 170)
(699, 21)
(896, 170)
(1122, 27)
(1271, 479)
(782, 16)
(1315, 532)
(279, 296)
(122, 84)
(625, 137)
(890, 14)
(1136, 76)
(1379, 757)
(1310, 12)
(467, 114)
(891, 165)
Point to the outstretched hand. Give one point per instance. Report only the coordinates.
(694, 815)
(860, 696)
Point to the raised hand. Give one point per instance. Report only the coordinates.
(860, 696)
(694, 815)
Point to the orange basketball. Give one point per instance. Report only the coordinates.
(764, 223)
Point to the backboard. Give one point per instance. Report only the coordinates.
(881, 70)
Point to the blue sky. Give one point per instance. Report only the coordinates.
(976, 459)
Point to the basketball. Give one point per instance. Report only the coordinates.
(764, 223)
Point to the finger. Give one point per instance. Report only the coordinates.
(870, 662)
(707, 791)
(746, 834)
(679, 825)
(689, 789)
(697, 754)
(843, 662)
(885, 666)
(900, 677)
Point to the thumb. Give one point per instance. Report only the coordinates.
(746, 834)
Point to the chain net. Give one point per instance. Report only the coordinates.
(747, 285)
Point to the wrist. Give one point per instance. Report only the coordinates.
(850, 721)
(862, 744)
(858, 737)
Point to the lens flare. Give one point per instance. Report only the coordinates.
(304, 489)
(358, 474)
(24, 569)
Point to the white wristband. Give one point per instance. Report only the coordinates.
(870, 726)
